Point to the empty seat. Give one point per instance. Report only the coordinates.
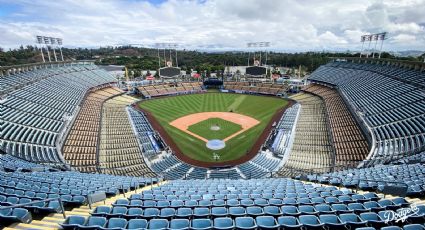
(352, 220)
(8, 216)
(237, 211)
(245, 223)
(272, 211)
(158, 224)
(219, 211)
(289, 222)
(413, 227)
(167, 213)
(266, 222)
(184, 212)
(254, 211)
(116, 224)
(94, 222)
(223, 223)
(310, 221)
(137, 224)
(134, 213)
(330, 221)
(373, 219)
(179, 224)
(201, 224)
(73, 222)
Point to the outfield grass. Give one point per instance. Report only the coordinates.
(203, 128)
(170, 108)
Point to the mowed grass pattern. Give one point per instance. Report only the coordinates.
(170, 108)
(203, 128)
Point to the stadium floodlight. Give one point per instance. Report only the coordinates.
(53, 42)
(39, 40)
(372, 37)
(47, 42)
(167, 45)
(60, 42)
(256, 45)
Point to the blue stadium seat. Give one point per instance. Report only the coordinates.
(158, 224)
(179, 224)
(223, 223)
(137, 224)
(331, 221)
(73, 222)
(266, 222)
(201, 224)
(116, 224)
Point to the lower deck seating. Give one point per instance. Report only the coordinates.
(282, 136)
(144, 132)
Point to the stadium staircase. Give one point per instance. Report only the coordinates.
(52, 221)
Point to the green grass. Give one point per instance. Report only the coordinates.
(170, 108)
(203, 128)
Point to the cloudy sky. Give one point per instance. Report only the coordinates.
(290, 25)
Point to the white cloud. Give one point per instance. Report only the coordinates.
(403, 38)
(289, 25)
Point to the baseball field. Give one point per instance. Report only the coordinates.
(192, 120)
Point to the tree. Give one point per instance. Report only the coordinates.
(137, 73)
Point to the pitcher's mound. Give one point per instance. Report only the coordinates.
(215, 128)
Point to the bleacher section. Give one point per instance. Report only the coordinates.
(170, 89)
(390, 100)
(119, 151)
(312, 147)
(256, 88)
(349, 142)
(36, 115)
(80, 148)
(247, 204)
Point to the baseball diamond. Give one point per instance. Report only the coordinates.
(241, 118)
(243, 121)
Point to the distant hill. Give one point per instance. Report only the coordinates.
(147, 58)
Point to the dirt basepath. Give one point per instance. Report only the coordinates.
(184, 122)
(251, 154)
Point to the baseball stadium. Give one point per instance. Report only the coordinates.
(93, 144)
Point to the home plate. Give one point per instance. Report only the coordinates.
(216, 144)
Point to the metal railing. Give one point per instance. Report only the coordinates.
(38, 201)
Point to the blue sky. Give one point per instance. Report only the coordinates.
(8, 8)
(290, 25)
